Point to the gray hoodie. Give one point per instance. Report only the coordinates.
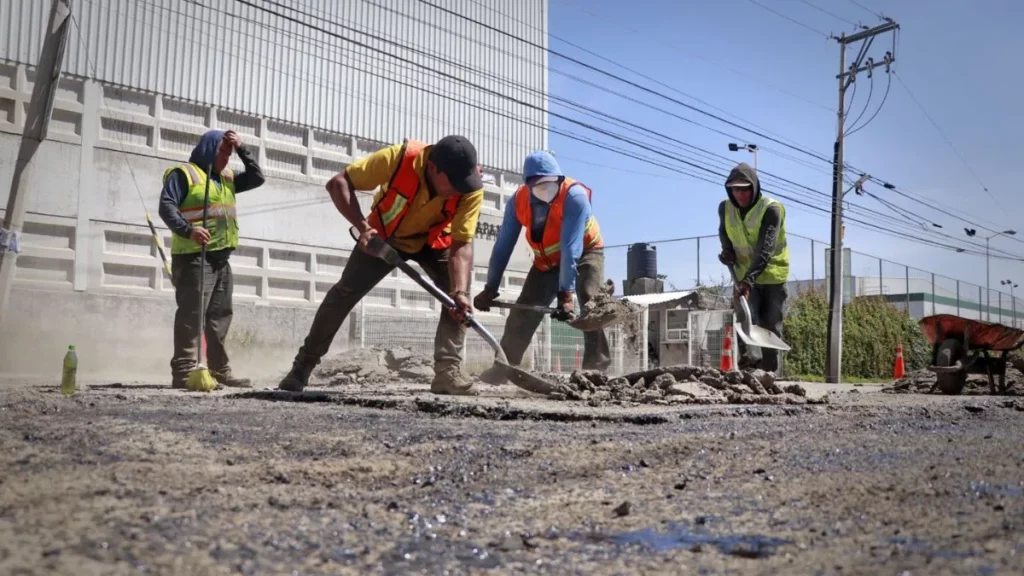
(176, 186)
(770, 225)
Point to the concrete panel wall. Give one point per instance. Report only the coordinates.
(89, 273)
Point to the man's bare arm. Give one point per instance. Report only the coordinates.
(461, 266)
(344, 197)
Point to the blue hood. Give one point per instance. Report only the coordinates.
(205, 151)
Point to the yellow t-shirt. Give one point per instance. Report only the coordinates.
(375, 171)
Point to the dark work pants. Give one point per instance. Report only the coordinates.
(541, 289)
(766, 302)
(216, 299)
(362, 273)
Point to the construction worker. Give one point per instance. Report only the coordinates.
(181, 208)
(568, 255)
(752, 230)
(427, 209)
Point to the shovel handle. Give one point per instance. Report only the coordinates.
(379, 248)
(518, 306)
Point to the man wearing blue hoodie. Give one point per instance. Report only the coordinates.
(568, 255)
(181, 208)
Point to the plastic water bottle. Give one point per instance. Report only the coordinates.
(67, 382)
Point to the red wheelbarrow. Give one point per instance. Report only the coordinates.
(961, 346)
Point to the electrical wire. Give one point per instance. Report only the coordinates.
(949, 143)
(794, 21)
(863, 7)
(854, 128)
(832, 14)
(871, 92)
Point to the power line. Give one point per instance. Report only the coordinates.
(888, 84)
(947, 141)
(832, 14)
(863, 7)
(794, 21)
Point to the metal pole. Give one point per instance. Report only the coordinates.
(645, 320)
(1000, 297)
(834, 352)
(698, 261)
(362, 324)
(988, 290)
(906, 293)
(880, 293)
(957, 297)
(1013, 304)
(37, 121)
(981, 304)
(755, 159)
(814, 257)
(933, 293)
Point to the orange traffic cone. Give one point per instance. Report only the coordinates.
(725, 363)
(900, 369)
(579, 362)
(558, 363)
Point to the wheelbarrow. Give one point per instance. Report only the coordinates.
(961, 346)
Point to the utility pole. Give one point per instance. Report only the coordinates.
(37, 122)
(846, 77)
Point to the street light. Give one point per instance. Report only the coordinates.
(752, 148)
(988, 290)
(1013, 300)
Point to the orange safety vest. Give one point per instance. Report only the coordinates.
(548, 252)
(387, 213)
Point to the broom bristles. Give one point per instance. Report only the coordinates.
(200, 380)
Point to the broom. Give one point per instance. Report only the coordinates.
(200, 379)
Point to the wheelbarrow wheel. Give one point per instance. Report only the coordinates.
(950, 351)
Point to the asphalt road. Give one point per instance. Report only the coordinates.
(141, 479)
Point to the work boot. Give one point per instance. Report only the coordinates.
(227, 379)
(450, 381)
(493, 375)
(297, 378)
(179, 382)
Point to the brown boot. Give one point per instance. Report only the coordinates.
(179, 382)
(493, 375)
(227, 379)
(450, 381)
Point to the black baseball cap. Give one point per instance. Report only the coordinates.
(456, 157)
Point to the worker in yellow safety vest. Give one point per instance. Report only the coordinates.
(181, 209)
(568, 256)
(752, 230)
(427, 209)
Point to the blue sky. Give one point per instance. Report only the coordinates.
(741, 58)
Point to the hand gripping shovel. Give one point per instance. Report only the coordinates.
(582, 323)
(380, 249)
(750, 333)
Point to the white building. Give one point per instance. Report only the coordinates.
(309, 88)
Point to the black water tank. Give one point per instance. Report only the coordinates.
(641, 261)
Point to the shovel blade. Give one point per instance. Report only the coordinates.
(760, 337)
(525, 380)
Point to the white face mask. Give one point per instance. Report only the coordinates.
(545, 191)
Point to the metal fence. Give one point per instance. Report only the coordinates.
(691, 261)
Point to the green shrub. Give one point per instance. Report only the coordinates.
(872, 328)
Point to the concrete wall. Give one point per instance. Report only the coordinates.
(90, 275)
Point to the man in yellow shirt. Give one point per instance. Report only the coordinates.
(427, 208)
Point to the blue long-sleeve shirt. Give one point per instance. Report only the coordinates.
(575, 213)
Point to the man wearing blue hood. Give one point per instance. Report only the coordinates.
(181, 208)
(568, 254)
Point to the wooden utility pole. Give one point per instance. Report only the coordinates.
(36, 124)
(846, 77)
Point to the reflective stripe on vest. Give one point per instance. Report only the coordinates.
(743, 233)
(387, 213)
(221, 217)
(548, 252)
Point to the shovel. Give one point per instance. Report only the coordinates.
(750, 333)
(584, 324)
(380, 249)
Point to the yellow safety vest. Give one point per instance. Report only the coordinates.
(221, 219)
(743, 232)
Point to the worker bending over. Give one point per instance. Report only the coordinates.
(427, 209)
(752, 229)
(181, 209)
(568, 255)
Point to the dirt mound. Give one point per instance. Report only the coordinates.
(373, 366)
(923, 382)
(677, 385)
(603, 309)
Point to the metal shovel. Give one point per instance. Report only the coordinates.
(582, 323)
(751, 334)
(521, 378)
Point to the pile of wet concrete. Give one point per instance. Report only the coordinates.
(678, 385)
(377, 365)
(923, 382)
